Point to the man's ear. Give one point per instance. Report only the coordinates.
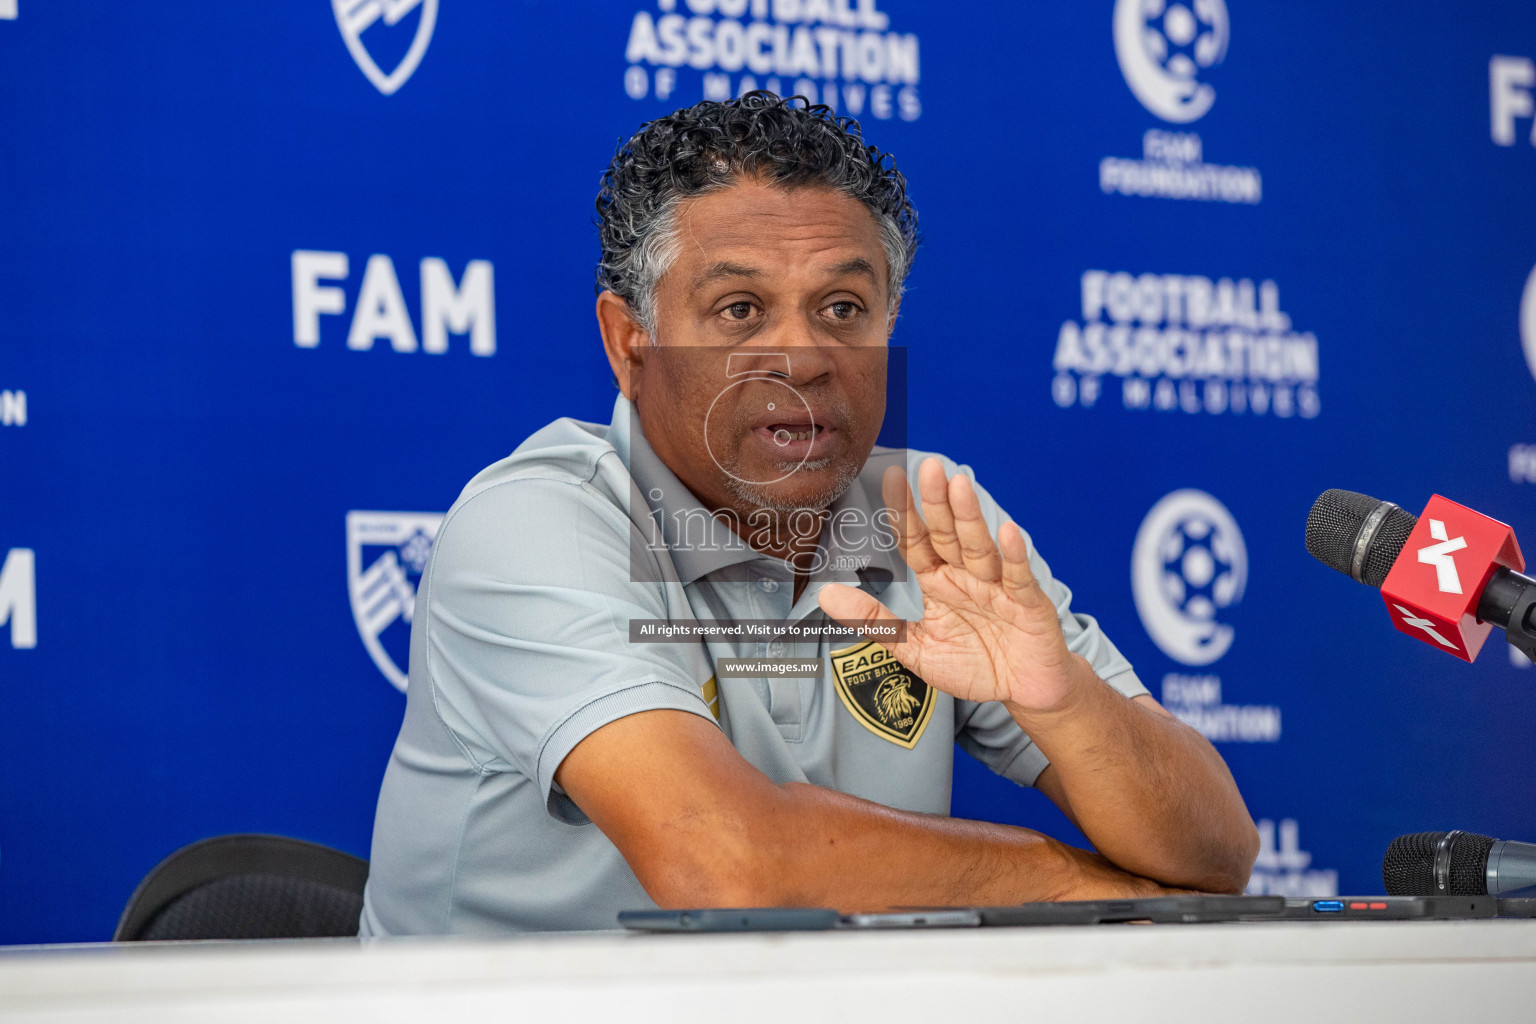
(624, 340)
(890, 320)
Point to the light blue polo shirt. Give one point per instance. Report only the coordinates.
(521, 648)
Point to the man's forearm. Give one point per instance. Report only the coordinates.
(1150, 793)
(810, 846)
(700, 826)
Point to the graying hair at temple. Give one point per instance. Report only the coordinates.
(788, 143)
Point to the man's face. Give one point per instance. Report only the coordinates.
(766, 386)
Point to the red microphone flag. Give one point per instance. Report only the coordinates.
(1433, 588)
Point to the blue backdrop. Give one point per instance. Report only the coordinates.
(1230, 254)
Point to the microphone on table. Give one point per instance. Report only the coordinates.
(1458, 864)
(1448, 576)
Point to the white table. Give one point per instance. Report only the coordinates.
(1292, 972)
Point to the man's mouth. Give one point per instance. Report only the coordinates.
(793, 439)
(783, 433)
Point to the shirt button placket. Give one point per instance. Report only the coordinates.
(769, 585)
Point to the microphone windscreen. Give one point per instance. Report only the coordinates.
(1469, 864)
(1333, 531)
(1408, 869)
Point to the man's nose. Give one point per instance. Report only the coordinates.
(796, 337)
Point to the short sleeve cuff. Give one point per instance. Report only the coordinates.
(1127, 682)
(1026, 765)
(631, 698)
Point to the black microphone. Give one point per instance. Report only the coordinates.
(1458, 864)
(1362, 537)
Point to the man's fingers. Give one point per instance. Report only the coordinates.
(933, 485)
(1018, 579)
(916, 547)
(976, 548)
(850, 606)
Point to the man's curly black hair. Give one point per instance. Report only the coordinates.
(789, 143)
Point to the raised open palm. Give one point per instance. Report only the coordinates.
(988, 631)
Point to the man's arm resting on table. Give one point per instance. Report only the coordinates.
(700, 826)
(1149, 792)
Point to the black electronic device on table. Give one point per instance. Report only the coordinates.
(1155, 910)
(1519, 906)
(1395, 908)
(731, 919)
(793, 919)
(1165, 909)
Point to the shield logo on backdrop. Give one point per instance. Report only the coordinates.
(356, 17)
(386, 553)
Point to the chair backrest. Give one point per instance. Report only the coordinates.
(247, 887)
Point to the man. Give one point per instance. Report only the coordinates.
(555, 767)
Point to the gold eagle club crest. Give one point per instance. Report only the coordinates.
(879, 691)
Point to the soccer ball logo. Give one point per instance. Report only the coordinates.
(1188, 564)
(1197, 568)
(1162, 48)
(1184, 40)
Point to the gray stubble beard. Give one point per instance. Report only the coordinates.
(759, 497)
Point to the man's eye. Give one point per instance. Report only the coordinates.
(738, 311)
(843, 310)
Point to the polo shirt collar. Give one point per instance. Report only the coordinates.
(697, 542)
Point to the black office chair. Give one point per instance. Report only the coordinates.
(247, 887)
